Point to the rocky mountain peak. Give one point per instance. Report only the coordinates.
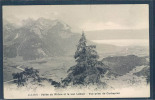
(53, 37)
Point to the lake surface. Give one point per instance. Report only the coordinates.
(124, 42)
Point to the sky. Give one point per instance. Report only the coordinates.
(84, 17)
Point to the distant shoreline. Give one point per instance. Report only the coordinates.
(124, 42)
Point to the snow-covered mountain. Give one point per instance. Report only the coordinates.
(38, 38)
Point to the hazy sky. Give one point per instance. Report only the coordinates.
(85, 17)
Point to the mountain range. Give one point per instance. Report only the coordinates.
(49, 38)
(39, 38)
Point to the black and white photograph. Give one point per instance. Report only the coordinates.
(76, 51)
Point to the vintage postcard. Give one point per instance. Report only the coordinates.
(76, 51)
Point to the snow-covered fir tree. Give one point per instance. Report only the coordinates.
(87, 69)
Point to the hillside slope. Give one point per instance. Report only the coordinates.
(124, 64)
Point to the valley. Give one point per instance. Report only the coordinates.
(49, 46)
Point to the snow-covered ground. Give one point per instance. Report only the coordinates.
(35, 91)
(128, 85)
(127, 80)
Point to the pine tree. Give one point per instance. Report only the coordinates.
(29, 73)
(85, 56)
(86, 70)
(80, 54)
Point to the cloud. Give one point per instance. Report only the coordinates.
(91, 26)
(86, 17)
